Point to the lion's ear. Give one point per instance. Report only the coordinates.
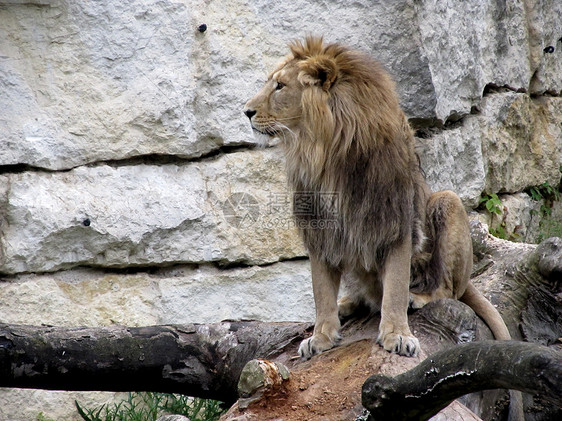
(318, 71)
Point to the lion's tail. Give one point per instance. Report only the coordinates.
(481, 306)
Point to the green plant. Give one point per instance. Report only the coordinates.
(547, 194)
(492, 203)
(148, 406)
(42, 417)
(549, 228)
(500, 232)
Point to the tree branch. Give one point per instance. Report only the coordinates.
(446, 375)
(197, 360)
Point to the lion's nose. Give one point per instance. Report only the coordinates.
(250, 113)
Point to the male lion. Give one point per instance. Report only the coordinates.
(350, 150)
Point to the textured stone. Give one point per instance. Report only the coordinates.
(469, 45)
(545, 45)
(279, 292)
(513, 142)
(518, 217)
(521, 141)
(183, 294)
(91, 81)
(27, 404)
(96, 81)
(524, 219)
(235, 208)
(452, 160)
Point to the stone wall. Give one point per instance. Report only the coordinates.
(130, 190)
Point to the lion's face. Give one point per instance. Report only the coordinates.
(276, 109)
(295, 98)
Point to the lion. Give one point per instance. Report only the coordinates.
(350, 152)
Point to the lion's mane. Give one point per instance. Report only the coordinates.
(355, 157)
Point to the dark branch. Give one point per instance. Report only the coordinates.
(197, 360)
(446, 375)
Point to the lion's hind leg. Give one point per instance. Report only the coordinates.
(362, 294)
(347, 306)
(446, 273)
(419, 300)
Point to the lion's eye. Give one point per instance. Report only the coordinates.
(279, 86)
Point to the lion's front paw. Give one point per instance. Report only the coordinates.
(316, 344)
(402, 343)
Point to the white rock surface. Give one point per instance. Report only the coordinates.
(183, 294)
(452, 160)
(232, 209)
(471, 44)
(90, 81)
(522, 141)
(520, 216)
(512, 143)
(27, 404)
(524, 219)
(235, 208)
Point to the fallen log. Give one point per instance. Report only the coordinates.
(429, 387)
(203, 360)
(206, 360)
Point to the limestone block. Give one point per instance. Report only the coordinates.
(469, 45)
(452, 160)
(82, 297)
(523, 219)
(182, 294)
(545, 46)
(235, 208)
(520, 214)
(518, 218)
(513, 142)
(95, 81)
(528, 218)
(278, 292)
(27, 404)
(521, 141)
